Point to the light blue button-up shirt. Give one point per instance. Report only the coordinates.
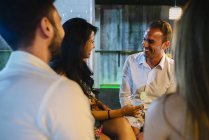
(138, 77)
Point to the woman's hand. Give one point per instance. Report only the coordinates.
(130, 110)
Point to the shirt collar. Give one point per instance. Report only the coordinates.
(22, 57)
(142, 60)
(162, 61)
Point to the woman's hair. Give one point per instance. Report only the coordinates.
(192, 66)
(70, 62)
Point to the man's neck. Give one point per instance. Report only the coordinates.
(43, 55)
(153, 62)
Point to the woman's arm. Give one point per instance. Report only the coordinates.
(103, 115)
(128, 110)
(102, 105)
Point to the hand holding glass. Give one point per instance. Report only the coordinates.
(136, 101)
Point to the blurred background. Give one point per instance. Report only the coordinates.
(121, 24)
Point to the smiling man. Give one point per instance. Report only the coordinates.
(35, 102)
(149, 74)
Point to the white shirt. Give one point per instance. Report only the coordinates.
(138, 77)
(38, 104)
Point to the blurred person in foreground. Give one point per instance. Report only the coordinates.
(76, 49)
(185, 114)
(35, 102)
(148, 74)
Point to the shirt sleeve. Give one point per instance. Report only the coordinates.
(65, 113)
(172, 88)
(125, 87)
(173, 84)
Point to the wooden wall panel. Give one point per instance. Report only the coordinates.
(121, 29)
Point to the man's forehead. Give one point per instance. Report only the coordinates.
(153, 32)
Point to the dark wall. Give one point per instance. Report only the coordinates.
(142, 2)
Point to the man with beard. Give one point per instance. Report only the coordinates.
(149, 74)
(35, 102)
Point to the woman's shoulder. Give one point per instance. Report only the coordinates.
(168, 112)
(168, 101)
(171, 106)
(171, 101)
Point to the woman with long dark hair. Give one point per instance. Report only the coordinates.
(185, 114)
(76, 48)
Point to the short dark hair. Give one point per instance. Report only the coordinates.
(19, 19)
(165, 28)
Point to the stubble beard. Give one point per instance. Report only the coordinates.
(148, 54)
(55, 45)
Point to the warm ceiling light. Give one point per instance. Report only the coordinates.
(175, 13)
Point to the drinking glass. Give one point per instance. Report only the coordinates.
(138, 120)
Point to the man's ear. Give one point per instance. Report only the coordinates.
(166, 45)
(46, 27)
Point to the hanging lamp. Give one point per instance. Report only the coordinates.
(175, 12)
